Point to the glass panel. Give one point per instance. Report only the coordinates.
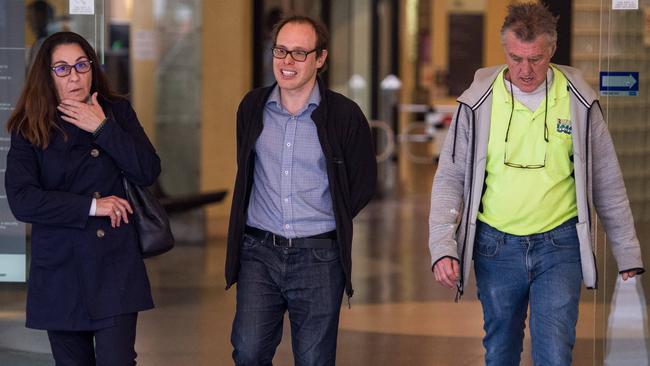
(607, 40)
(12, 74)
(43, 18)
(23, 28)
(350, 72)
(24, 25)
(178, 106)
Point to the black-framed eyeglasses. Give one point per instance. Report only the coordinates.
(64, 70)
(506, 161)
(297, 55)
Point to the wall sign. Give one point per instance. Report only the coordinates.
(82, 7)
(625, 4)
(619, 83)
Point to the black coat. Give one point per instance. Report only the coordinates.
(81, 270)
(345, 138)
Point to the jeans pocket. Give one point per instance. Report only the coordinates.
(486, 245)
(325, 255)
(566, 238)
(249, 242)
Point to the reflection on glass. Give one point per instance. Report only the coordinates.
(273, 16)
(178, 93)
(40, 18)
(627, 329)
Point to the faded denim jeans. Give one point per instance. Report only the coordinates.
(513, 271)
(308, 283)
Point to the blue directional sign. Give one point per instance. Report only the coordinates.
(619, 83)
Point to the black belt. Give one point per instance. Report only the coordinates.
(321, 241)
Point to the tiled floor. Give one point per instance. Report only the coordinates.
(398, 315)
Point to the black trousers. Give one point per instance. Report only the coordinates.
(112, 346)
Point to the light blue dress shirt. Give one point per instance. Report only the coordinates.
(290, 194)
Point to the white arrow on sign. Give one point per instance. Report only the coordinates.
(619, 81)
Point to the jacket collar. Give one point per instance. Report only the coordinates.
(585, 93)
(319, 115)
(481, 86)
(484, 78)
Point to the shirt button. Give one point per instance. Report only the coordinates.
(286, 172)
(96, 195)
(94, 153)
(286, 200)
(287, 226)
(288, 144)
(100, 233)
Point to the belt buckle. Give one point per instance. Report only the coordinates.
(280, 246)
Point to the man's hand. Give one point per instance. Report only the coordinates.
(628, 274)
(447, 272)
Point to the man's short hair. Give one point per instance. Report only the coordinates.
(528, 21)
(322, 35)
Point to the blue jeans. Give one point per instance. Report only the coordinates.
(308, 283)
(513, 271)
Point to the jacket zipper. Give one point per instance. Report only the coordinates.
(460, 287)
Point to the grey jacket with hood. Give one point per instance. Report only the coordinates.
(458, 183)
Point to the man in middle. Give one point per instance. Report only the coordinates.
(306, 167)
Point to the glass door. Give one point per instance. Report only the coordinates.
(24, 25)
(611, 46)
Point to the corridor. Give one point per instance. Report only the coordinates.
(398, 315)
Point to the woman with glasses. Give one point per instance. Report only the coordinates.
(72, 139)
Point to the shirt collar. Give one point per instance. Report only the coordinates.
(559, 89)
(314, 97)
(557, 86)
(274, 97)
(501, 94)
(313, 101)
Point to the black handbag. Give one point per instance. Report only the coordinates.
(150, 219)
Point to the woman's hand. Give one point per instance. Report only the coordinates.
(87, 116)
(114, 207)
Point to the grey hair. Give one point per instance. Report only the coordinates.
(528, 21)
